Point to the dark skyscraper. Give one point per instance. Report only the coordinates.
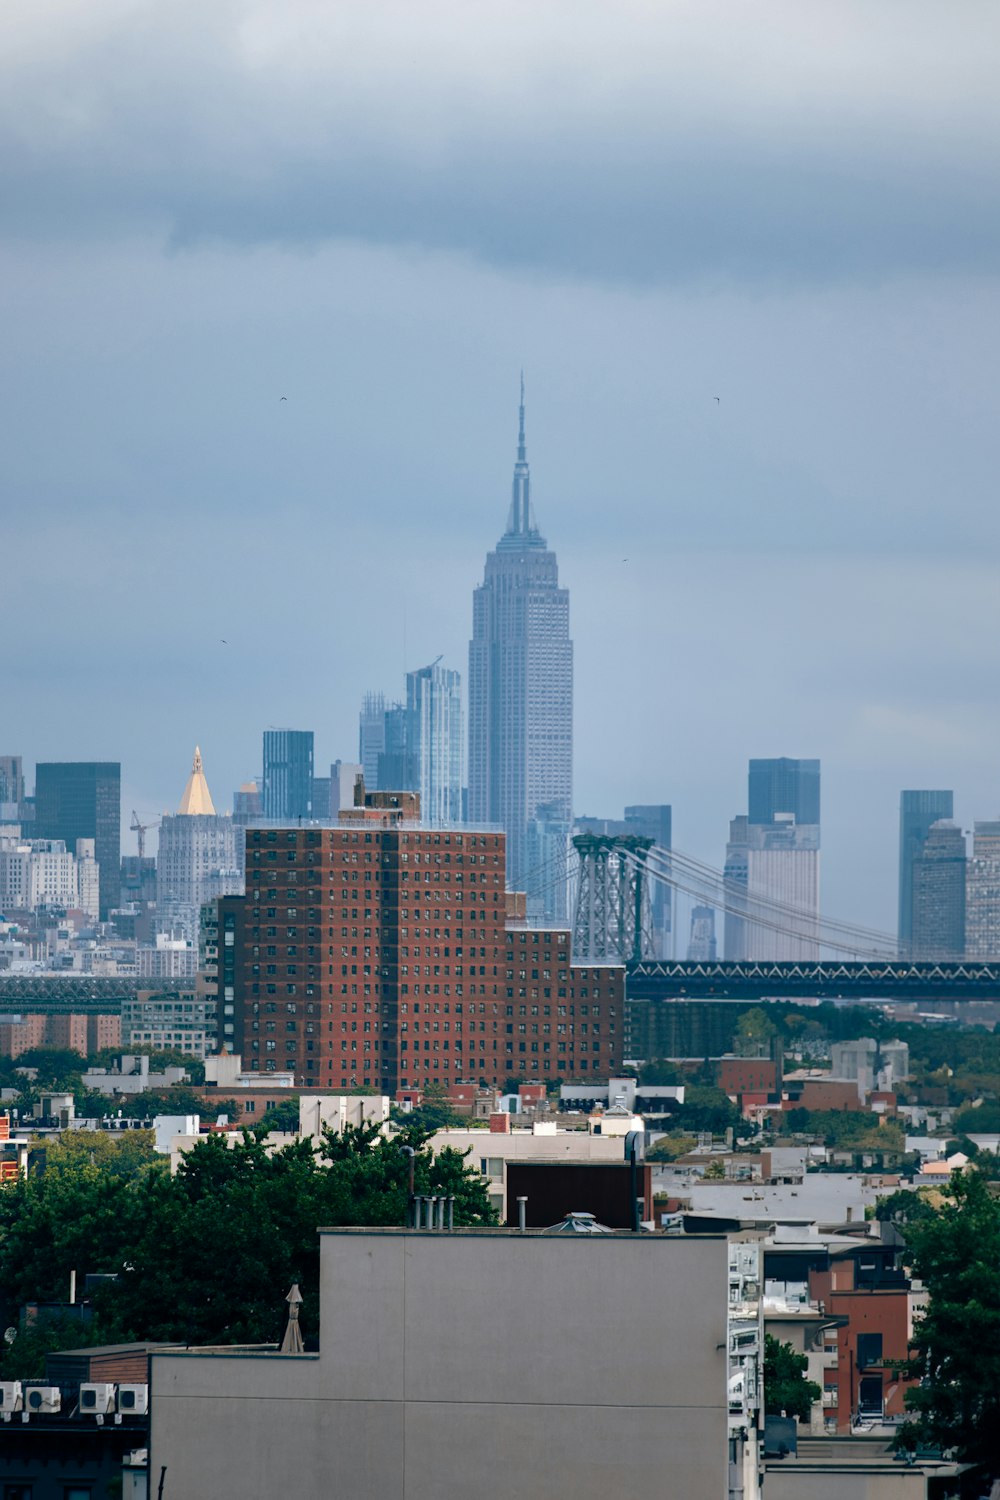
(521, 702)
(939, 894)
(82, 800)
(288, 774)
(917, 812)
(784, 786)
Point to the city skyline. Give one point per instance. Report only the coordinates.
(810, 558)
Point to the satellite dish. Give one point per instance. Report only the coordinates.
(9, 1335)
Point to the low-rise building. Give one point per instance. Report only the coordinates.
(132, 1076)
(181, 1020)
(566, 1366)
(82, 1430)
(491, 1150)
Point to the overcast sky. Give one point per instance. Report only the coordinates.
(382, 209)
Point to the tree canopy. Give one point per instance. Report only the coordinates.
(207, 1256)
(956, 1341)
(283, 1116)
(707, 1108)
(786, 1387)
(434, 1112)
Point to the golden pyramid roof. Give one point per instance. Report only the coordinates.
(197, 799)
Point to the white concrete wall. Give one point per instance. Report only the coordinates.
(492, 1364)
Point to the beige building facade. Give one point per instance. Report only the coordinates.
(479, 1362)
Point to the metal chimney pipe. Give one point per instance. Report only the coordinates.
(451, 1210)
(442, 1205)
(632, 1157)
(409, 1151)
(416, 1205)
(431, 1210)
(522, 1214)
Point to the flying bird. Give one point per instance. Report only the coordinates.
(285, 398)
(223, 643)
(714, 398)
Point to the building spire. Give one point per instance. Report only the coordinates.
(197, 799)
(521, 521)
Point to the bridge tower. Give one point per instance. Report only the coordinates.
(613, 920)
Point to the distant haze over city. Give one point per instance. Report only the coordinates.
(748, 261)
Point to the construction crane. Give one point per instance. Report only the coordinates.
(140, 830)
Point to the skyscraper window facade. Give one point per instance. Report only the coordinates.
(397, 767)
(11, 786)
(371, 738)
(200, 858)
(288, 774)
(435, 742)
(82, 800)
(918, 810)
(521, 702)
(982, 893)
(783, 786)
(939, 894)
(772, 865)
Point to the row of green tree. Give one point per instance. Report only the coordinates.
(205, 1256)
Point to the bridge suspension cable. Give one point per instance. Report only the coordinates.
(694, 878)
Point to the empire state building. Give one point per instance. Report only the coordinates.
(521, 703)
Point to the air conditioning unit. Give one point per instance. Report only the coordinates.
(133, 1400)
(97, 1398)
(10, 1395)
(42, 1398)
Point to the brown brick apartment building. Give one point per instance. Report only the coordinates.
(377, 953)
(85, 1032)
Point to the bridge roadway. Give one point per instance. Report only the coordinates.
(85, 994)
(874, 979)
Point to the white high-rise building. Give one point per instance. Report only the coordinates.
(434, 741)
(200, 857)
(343, 779)
(772, 865)
(167, 958)
(772, 891)
(521, 702)
(88, 878)
(982, 893)
(39, 872)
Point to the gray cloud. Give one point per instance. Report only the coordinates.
(636, 143)
(382, 211)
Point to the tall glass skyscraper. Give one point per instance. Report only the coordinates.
(82, 800)
(434, 734)
(521, 702)
(288, 773)
(371, 739)
(939, 878)
(918, 811)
